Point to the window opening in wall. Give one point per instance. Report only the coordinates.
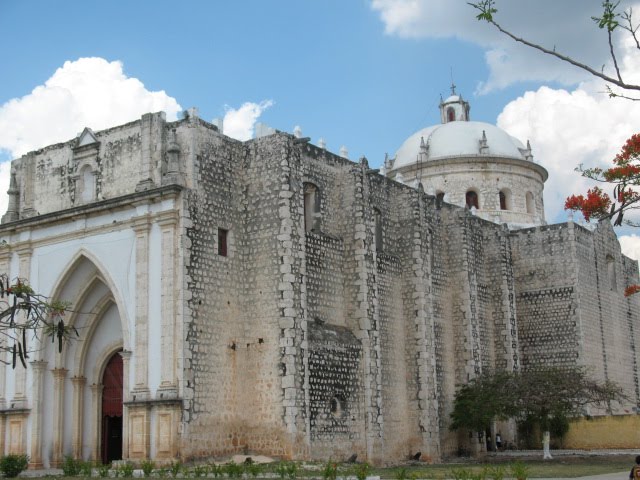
(223, 238)
(311, 207)
(451, 114)
(530, 205)
(378, 229)
(337, 406)
(439, 199)
(87, 184)
(505, 199)
(472, 199)
(611, 272)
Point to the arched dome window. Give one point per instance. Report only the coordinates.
(451, 114)
(471, 199)
(531, 207)
(505, 199)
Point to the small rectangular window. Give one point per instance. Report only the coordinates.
(223, 236)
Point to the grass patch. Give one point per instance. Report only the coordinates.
(560, 467)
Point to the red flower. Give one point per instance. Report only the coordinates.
(596, 204)
(631, 289)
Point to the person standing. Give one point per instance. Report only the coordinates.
(634, 474)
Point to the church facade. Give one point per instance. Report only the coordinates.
(272, 297)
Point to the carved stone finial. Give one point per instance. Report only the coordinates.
(173, 153)
(12, 209)
(322, 144)
(297, 131)
(364, 162)
(344, 152)
(484, 147)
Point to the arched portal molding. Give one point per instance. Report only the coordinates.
(97, 313)
(103, 275)
(75, 313)
(102, 360)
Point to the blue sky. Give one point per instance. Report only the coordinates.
(361, 73)
(328, 66)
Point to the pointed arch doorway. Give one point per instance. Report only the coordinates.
(112, 381)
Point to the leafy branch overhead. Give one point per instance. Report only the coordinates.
(611, 21)
(25, 316)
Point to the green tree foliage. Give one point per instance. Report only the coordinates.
(545, 395)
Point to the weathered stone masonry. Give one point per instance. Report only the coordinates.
(274, 298)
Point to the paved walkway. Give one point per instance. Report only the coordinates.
(606, 476)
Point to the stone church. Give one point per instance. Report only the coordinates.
(272, 297)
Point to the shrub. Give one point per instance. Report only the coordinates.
(362, 470)
(519, 471)
(495, 472)
(70, 466)
(200, 471)
(86, 468)
(103, 470)
(147, 467)
(233, 470)
(12, 465)
(175, 469)
(401, 474)
(126, 469)
(292, 470)
(253, 469)
(330, 471)
(215, 470)
(460, 474)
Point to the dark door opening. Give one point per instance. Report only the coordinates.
(112, 410)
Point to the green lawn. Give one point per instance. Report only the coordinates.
(464, 469)
(558, 467)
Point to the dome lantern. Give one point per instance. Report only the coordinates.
(454, 108)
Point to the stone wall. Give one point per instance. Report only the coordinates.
(351, 337)
(545, 277)
(571, 305)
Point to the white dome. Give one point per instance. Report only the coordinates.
(456, 139)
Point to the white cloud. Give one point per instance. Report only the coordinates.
(88, 92)
(239, 123)
(630, 245)
(567, 128)
(565, 25)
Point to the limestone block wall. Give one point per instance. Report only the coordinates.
(571, 306)
(335, 390)
(609, 338)
(216, 348)
(546, 297)
(406, 322)
(481, 311)
(326, 276)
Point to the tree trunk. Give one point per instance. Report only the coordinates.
(546, 439)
